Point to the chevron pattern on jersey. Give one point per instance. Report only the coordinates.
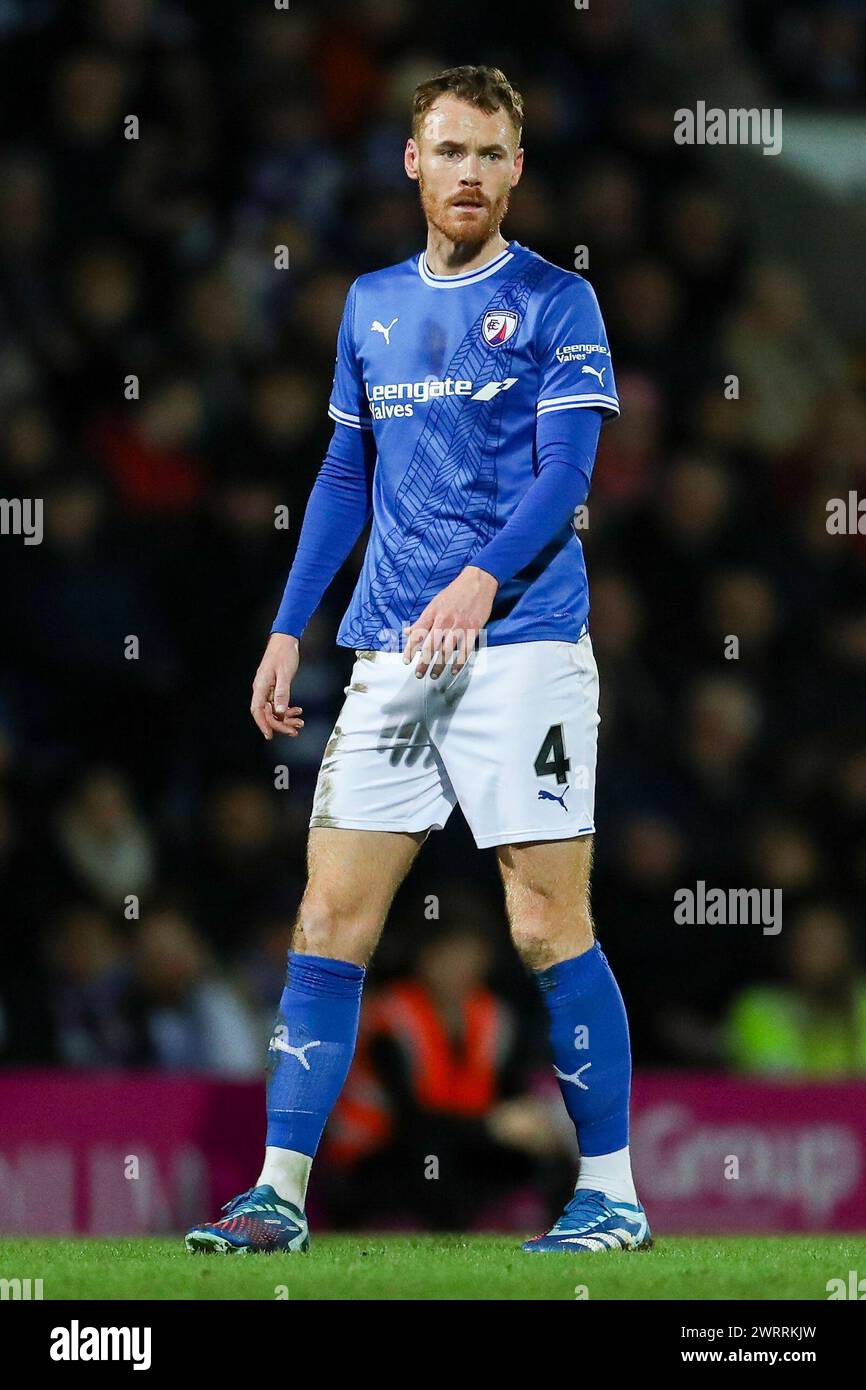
(447, 500)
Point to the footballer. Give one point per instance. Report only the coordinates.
(470, 388)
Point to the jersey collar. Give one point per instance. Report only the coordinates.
(468, 277)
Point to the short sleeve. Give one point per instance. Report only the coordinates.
(573, 353)
(348, 403)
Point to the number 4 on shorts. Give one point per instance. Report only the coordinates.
(551, 759)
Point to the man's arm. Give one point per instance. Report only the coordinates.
(566, 442)
(565, 445)
(337, 512)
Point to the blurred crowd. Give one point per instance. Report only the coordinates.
(149, 864)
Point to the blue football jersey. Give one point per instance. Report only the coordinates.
(451, 374)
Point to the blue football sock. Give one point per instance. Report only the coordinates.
(591, 1051)
(311, 1048)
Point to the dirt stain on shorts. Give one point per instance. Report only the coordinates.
(324, 794)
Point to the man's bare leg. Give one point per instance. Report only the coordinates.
(352, 878)
(546, 886)
(548, 904)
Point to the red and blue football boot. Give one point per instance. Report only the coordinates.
(258, 1221)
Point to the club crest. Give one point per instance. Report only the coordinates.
(498, 325)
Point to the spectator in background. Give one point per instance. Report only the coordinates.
(785, 356)
(444, 1075)
(31, 299)
(149, 455)
(104, 844)
(89, 964)
(782, 853)
(238, 862)
(29, 450)
(89, 96)
(284, 426)
(75, 609)
(184, 1017)
(814, 1023)
(634, 712)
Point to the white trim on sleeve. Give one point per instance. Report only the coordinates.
(343, 417)
(576, 402)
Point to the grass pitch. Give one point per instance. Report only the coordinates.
(438, 1267)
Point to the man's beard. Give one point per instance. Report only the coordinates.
(467, 237)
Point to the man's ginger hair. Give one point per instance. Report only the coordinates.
(486, 88)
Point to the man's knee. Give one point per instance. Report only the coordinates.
(327, 926)
(547, 932)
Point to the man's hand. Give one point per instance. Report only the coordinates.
(451, 622)
(272, 688)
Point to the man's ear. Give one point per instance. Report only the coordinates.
(518, 168)
(410, 159)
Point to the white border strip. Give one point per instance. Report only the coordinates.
(468, 277)
(554, 403)
(343, 417)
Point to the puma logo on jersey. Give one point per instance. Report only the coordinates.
(599, 374)
(544, 795)
(279, 1044)
(575, 1076)
(378, 327)
(493, 388)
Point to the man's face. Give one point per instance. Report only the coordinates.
(466, 162)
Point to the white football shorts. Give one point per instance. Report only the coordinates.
(512, 738)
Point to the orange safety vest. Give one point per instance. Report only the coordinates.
(461, 1083)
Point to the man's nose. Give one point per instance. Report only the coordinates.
(471, 172)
